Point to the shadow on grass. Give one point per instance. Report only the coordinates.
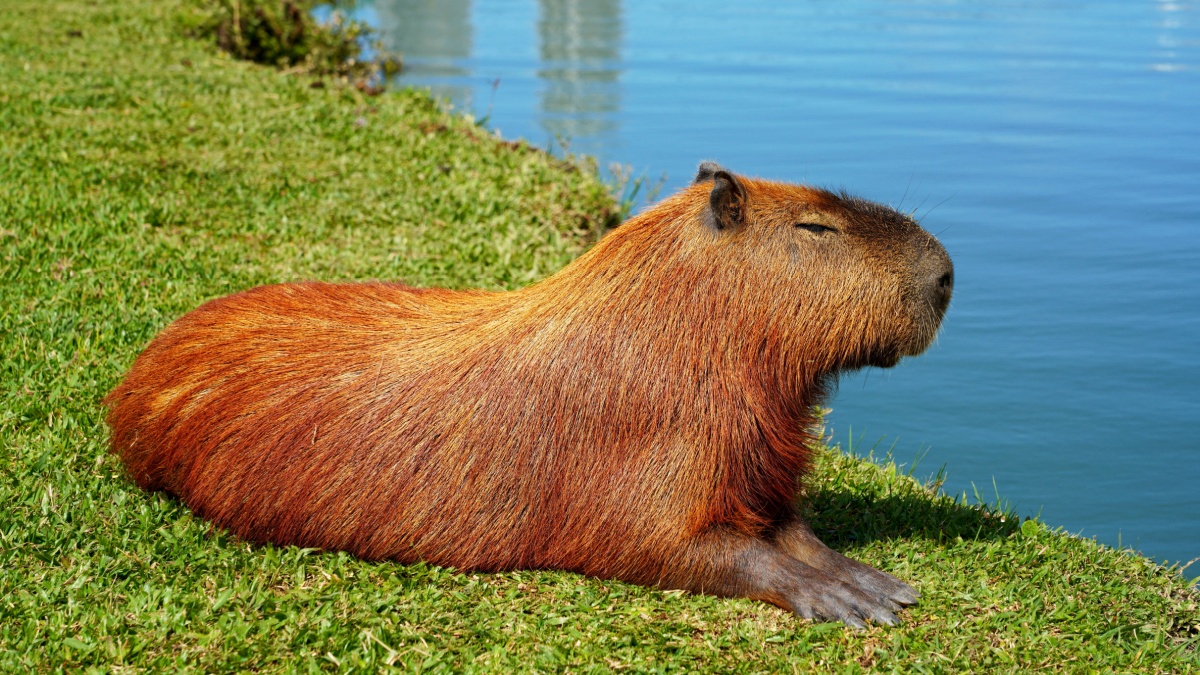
(844, 519)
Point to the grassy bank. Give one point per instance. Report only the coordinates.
(141, 173)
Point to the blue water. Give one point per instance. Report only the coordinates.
(1053, 146)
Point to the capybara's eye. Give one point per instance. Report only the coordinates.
(815, 228)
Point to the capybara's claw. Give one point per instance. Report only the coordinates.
(884, 586)
(905, 595)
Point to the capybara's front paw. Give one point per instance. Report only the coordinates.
(874, 583)
(795, 538)
(833, 600)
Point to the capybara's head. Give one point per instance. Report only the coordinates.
(838, 281)
(867, 276)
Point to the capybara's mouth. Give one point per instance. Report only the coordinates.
(921, 341)
(888, 358)
(888, 361)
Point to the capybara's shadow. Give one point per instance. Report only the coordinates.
(844, 518)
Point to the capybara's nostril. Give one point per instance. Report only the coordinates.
(933, 267)
(946, 281)
(941, 282)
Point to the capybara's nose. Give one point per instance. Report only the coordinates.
(942, 288)
(938, 273)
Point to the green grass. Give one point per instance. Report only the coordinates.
(142, 173)
(285, 34)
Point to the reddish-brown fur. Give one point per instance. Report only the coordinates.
(644, 414)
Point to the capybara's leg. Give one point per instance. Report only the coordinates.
(797, 539)
(725, 563)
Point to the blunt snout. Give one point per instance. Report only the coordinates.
(937, 273)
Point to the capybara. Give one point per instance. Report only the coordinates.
(645, 414)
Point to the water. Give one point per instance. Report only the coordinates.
(1054, 147)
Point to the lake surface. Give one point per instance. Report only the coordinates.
(1054, 147)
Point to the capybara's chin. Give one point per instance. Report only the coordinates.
(920, 341)
(645, 414)
(887, 359)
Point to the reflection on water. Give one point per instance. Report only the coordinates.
(578, 59)
(580, 48)
(435, 39)
(1170, 40)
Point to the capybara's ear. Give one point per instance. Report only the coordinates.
(727, 201)
(706, 171)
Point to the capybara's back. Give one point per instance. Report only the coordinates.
(644, 414)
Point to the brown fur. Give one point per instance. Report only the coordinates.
(644, 414)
